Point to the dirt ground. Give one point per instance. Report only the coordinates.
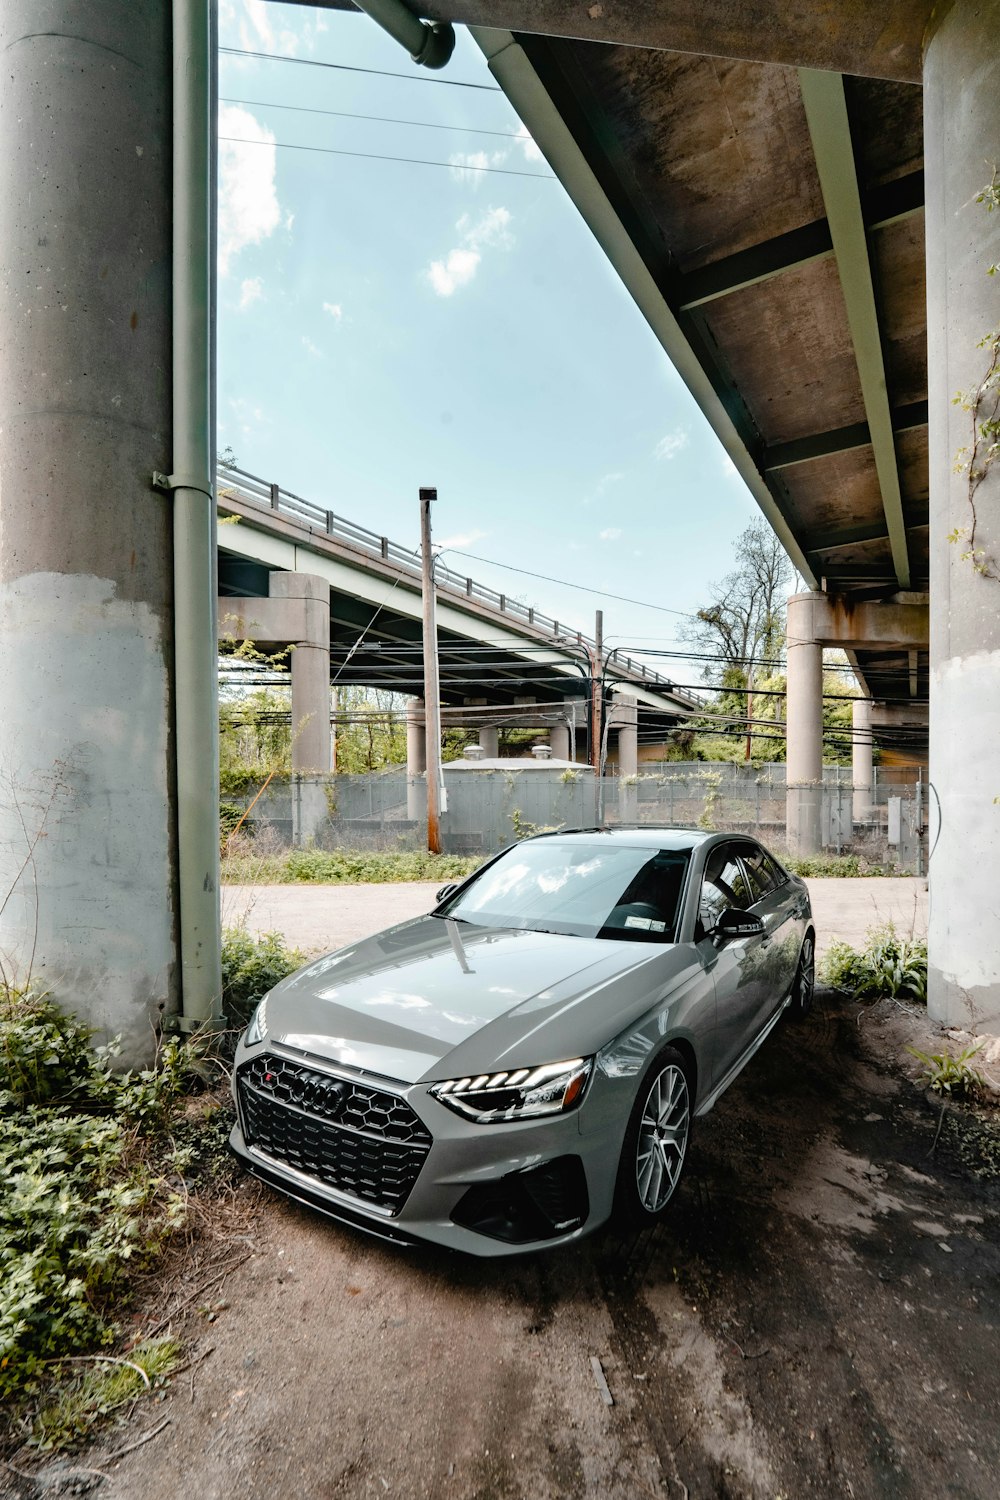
(818, 1317)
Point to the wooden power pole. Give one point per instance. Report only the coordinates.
(432, 685)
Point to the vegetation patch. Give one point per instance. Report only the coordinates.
(343, 867)
(837, 866)
(250, 967)
(887, 967)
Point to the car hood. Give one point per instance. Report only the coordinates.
(433, 998)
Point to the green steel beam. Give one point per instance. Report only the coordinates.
(829, 127)
(517, 76)
(885, 204)
(858, 435)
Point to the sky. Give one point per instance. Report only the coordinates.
(385, 325)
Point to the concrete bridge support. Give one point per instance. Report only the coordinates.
(416, 761)
(559, 742)
(296, 614)
(862, 763)
(816, 620)
(88, 813)
(804, 731)
(961, 143)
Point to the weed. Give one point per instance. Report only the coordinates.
(250, 967)
(845, 866)
(83, 1395)
(887, 967)
(946, 1073)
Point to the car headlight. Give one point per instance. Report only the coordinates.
(257, 1030)
(519, 1094)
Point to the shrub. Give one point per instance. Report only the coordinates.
(344, 867)
(83, 1199)
(946, 1073)
(887, 967)
(846, 866)
(250, 967)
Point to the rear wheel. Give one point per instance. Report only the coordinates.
(656, 1142)
(805, 980)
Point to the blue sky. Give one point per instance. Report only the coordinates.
(385, 325)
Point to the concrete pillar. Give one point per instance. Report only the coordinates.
(961, 142)
(863, 773)
(627, 718)
(804, 728)
(559, 742)
(310, 669)
(416, 760)
(489, 741)
(86, 644)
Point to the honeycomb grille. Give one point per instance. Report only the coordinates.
(358, 1139)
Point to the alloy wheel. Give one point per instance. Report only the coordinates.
(663, 1137)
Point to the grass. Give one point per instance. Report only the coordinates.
(343, 867)
(91, 1388)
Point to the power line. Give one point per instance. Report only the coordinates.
(410, 161)
(565, 583)
(347, 114)
(313, 62)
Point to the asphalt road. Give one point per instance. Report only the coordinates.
(318, 918)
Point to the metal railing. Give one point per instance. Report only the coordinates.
(256, 491)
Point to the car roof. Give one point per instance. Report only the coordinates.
(644, 838)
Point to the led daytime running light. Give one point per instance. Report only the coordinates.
(521, 1093)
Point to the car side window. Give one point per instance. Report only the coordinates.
(760, 870)
(723, 885)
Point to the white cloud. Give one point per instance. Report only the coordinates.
(311, 348)
(335, 310)
(248, 199)
(464, 539)
(610, 534)
(675, 442)
(251, 291)
(469, 166)
(460, 265)
(532, 152)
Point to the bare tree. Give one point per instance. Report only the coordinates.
(743, 627)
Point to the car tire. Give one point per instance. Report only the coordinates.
(655, 1144)
(804, 984)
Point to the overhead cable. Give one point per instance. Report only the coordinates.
(315, 62)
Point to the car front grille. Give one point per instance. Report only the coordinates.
(347, 1135)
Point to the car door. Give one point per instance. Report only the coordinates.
(735, 965)
(780, 944)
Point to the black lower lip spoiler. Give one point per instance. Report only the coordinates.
(388, 1233)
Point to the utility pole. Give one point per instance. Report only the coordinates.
(596, 692)
(432, 687)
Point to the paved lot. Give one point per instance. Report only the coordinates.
(320, 917)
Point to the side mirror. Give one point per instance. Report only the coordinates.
(736, 924)
(446, 891)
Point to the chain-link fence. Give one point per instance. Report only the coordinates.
(486, 809)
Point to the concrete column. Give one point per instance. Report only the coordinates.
(88, 884)
(627, 718)
(961, 141)
(416, 760)
(489, 741)
(863, 773)
(310, 669)
(804, 728)
(559, 742)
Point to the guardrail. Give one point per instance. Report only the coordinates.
(257, 491)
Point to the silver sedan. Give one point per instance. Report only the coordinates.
(524, 1063)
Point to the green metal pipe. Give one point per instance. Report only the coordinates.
(429, 43)
(196, 714)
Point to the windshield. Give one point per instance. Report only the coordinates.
(582, 889)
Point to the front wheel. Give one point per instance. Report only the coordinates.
(655, 1143)
(805, 980)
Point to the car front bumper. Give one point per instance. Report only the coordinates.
(488, 1190)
